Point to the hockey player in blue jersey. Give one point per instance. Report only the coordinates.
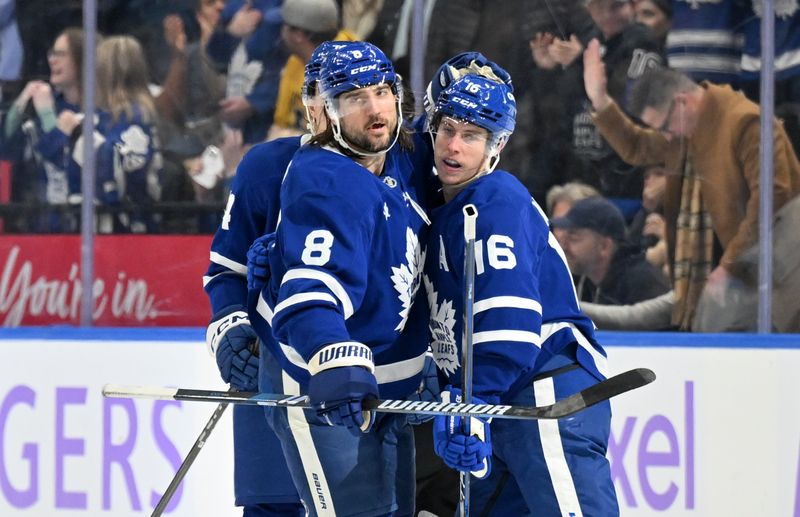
(345, 273)
(263, 484)
(532, 345)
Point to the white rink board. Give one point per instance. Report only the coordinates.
(717, 434)
(78, 469)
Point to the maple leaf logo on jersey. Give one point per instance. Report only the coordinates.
(406, 276)
(783, 8)
(441, 323)
(242, 73)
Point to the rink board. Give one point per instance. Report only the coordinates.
(718, 433)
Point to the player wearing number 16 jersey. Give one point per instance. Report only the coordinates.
(532, 345)
(345, 275)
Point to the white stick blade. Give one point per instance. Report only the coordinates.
(143, 392)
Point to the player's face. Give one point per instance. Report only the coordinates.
(368, 117)
(316, 110)
(459, 151)
(582, 249)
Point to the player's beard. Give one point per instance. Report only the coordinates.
(362, 141)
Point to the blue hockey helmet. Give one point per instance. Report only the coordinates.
(355, 64)
(313, 67)
(458, 66)
(482, 102)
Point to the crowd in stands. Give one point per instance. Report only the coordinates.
(185, 87)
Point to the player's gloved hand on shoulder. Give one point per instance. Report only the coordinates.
(429, 389)
(258, 271)
(336, 394)
(234, 343)
(465, 444)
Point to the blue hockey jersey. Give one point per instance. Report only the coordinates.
(787, 41)
(252, 210)
(346, 268)
(705, 41)
(525, 308)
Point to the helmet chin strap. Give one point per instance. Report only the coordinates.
(333, 115)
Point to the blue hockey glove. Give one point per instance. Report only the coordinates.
(258, 271)
(234, 343)
(465, 444)
(428, 391)
(337, 393)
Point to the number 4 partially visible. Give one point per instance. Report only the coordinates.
(226, 217)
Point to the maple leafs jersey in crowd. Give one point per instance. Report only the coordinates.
(525, 307)
(252, 210)
(346, 266)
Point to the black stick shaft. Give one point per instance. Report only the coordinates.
(187, 462)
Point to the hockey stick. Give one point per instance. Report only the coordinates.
(470, 219)
(599, 392)
(187, 462)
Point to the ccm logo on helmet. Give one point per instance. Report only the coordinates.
(365, 68)
(464, 102)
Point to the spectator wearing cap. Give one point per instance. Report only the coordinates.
(305, 24)
(608, 269)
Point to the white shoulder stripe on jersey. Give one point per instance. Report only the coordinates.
(304, 297)
(520, 336)
(264, 310)
(507, 302)
(223, 261)
(384, 373)
(330, 282)
(418, 209)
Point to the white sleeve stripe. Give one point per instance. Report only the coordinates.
(207, 279)
(329, 281)
(216, 258)
(293, 357)
(304, 297)
(399, 370)
(521, 336)
(508, 302)
(600, 361)
(263, 309)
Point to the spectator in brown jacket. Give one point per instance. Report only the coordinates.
(708, 138)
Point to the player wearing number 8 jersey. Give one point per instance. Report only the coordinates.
(345, 274)
(532, 345)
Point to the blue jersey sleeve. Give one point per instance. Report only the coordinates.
(251, 211)
(324, 239)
